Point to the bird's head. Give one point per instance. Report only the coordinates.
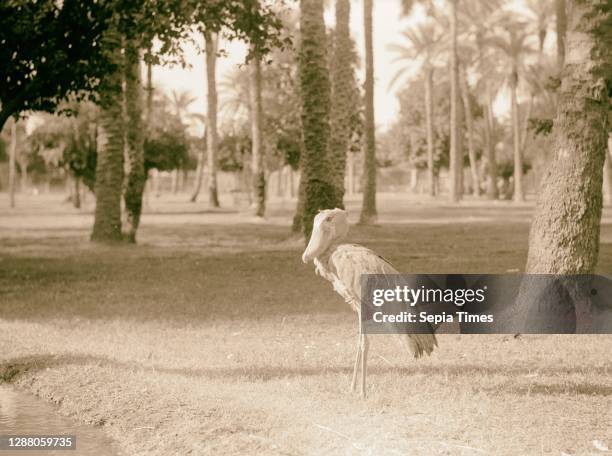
(329, 226)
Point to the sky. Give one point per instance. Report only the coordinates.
(388, 25)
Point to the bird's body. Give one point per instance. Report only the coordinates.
(342, 265)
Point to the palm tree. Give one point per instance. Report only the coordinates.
(564, 236)
(542, 12)
(257, 150)
(201, 161)
(424, 45)
(456, 146)
(343, 82)
(110, 141)
(318, 191)
(180, 102)
(514, 46)
(136, 178)
(12, 157)
(456, 149)
(368, 209)
(212, 139)
(469, 123)
(477, 17)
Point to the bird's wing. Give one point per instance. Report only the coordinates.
(349, 261)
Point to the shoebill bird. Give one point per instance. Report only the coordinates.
(342, 265)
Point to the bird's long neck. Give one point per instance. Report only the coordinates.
(324, 256)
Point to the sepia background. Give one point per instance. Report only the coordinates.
(161, 163)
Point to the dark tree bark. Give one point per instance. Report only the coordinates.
(368, 210)
(319, 191)
(109, 168)
(136, 179)
(342, 83)
(564, 236)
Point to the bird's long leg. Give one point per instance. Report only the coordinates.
(356, 365)
(358, 356)
(365, 342)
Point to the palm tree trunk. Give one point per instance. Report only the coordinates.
(136, 178)
(257, 152)
(317, 178)
(212, 138)
(76, 201)
(492, 192)
(368, 210)
(342, 82)
(564, 236)
(110, 143)
(518, 156)
(456, 150)
(469, 122)
(199, 172)
(12, 162)
(561, 27)
(431, 181)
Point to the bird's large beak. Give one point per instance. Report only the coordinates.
(315, 246)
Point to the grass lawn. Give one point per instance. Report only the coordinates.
(211, 337)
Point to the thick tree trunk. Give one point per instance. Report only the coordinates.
(12, 163)
(136, 178)
(564, 236)
(342, 83)
(319, 190)
(429, 107)
(211, 118)
(469, 122)
(368, 210)
(519, 195)
(258, 176)
(110, 141)
(456, 147)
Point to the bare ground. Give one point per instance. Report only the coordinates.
(211, 337)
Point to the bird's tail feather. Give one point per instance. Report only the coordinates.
(419, 344)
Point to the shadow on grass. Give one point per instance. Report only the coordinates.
(10, 370)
